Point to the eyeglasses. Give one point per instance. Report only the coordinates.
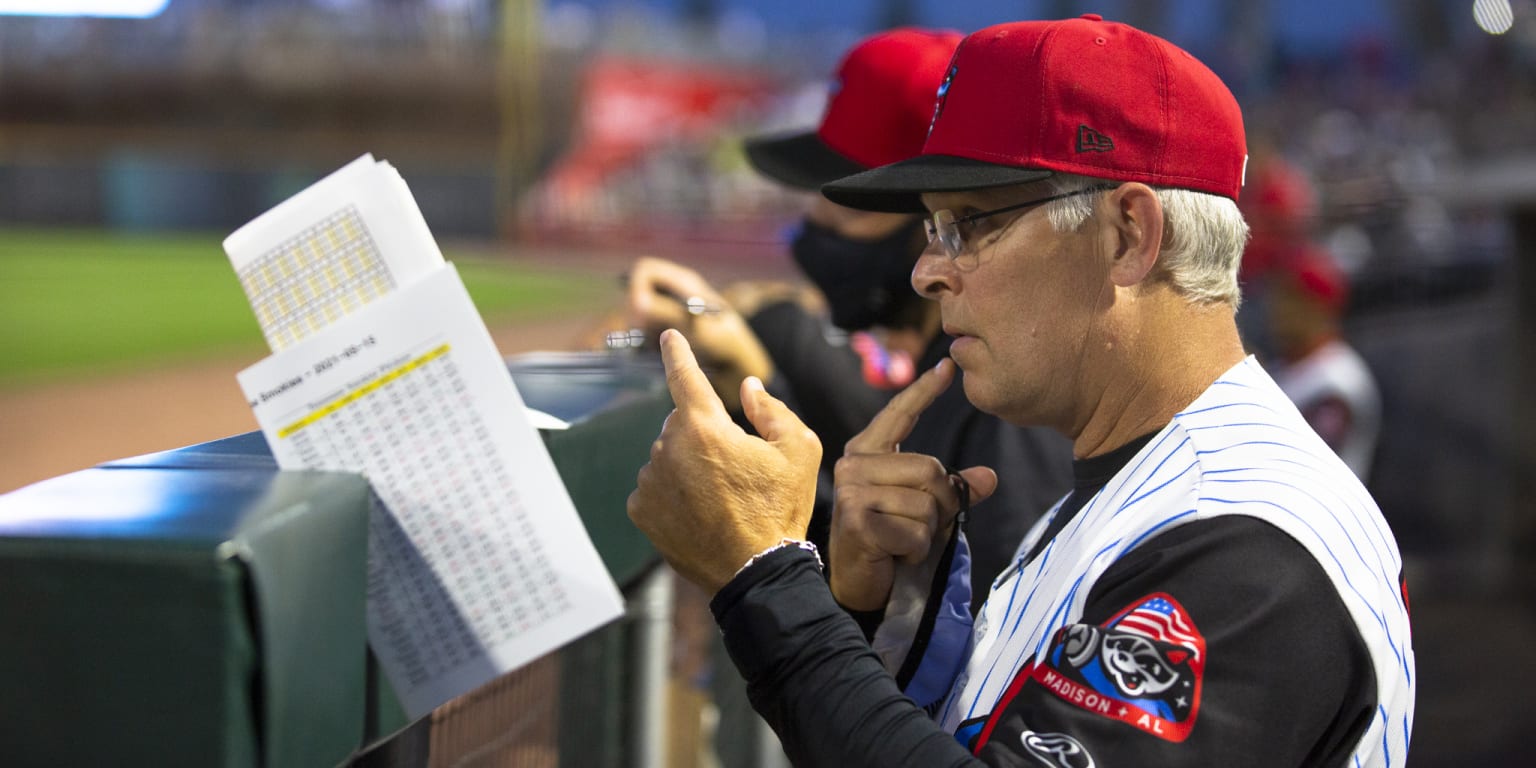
(952, 233)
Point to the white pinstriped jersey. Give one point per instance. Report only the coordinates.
(1241, 448)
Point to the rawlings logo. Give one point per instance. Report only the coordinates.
(1056, 750)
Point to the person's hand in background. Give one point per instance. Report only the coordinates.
(664, 294)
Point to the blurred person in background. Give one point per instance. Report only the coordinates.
(879, 110)
(1280, 204)
(1294, 297)
(1325, 377)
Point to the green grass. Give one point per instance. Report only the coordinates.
(80, 302)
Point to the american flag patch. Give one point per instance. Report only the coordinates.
(1164, 620)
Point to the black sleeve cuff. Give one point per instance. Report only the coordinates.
(769, 609)
(767, 568)
(814, 679)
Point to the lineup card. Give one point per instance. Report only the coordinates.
(478, 562)
(343, 242)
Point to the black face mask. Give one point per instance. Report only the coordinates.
(866, 282)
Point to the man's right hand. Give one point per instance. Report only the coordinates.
(712, 496)
(891, 507)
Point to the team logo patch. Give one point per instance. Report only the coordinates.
(1143, 667)
(1056, 750)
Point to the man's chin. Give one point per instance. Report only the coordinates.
(975, 390)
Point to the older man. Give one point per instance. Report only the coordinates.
(878, 112)
(1217, 589)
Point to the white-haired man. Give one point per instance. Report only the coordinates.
(1218, 588)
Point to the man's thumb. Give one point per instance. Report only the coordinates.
(772, 418)
(982, 480)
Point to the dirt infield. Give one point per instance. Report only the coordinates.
(53, 429)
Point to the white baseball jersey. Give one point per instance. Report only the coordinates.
(1242, 448)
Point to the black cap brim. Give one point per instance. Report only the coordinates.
(897, 188)
(800, 160)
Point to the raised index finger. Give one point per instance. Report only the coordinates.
(895, 421)
(691, 391)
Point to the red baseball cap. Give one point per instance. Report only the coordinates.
(1027, 99)
(1282, 194)
(1315, 274)
(878, 111)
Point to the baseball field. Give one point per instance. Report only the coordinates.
(81, 303)
(115, 345)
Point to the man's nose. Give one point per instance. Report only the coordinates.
(933, 273)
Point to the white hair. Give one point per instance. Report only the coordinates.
(1203, 235)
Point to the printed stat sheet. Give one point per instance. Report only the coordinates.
(478, 562)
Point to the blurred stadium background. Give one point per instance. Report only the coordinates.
(549, 142)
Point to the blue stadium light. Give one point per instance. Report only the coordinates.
(126, 9)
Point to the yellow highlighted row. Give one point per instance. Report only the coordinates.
(363, 391)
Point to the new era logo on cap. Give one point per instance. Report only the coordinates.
(1081, 96)
(1089, 140)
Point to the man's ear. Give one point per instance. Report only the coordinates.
(1137, 219)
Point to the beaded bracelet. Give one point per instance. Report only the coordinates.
(784, 542)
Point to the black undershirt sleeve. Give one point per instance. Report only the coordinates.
(1287, 680)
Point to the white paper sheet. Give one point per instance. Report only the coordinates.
(481, 563)
(344, 241)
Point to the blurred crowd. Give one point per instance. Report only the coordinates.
(1381, 135)
(1377, 125)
